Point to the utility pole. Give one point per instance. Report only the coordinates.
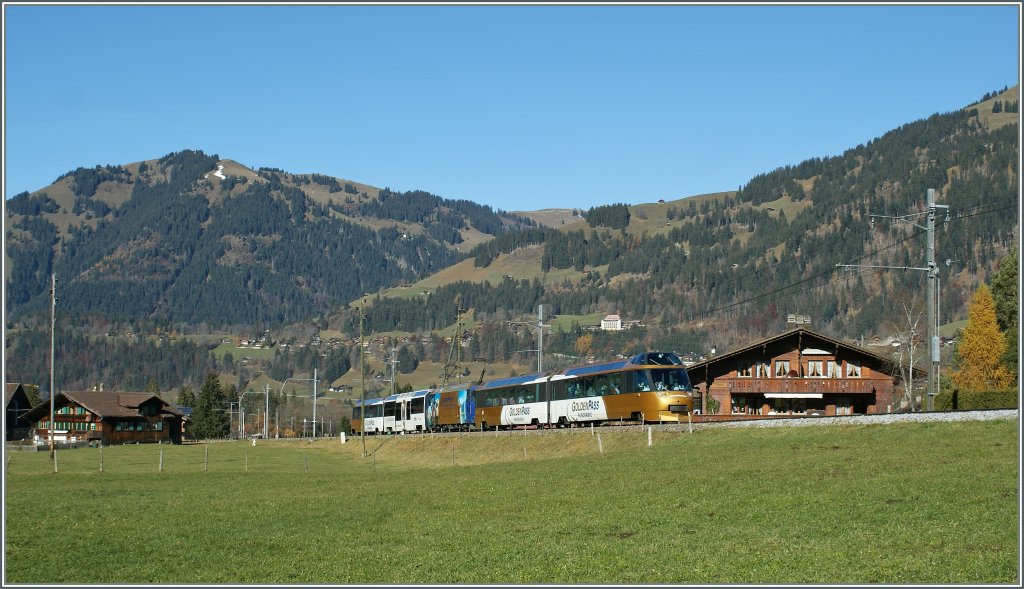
(933, 276)
(53, 369)
(266, 411)
(392, 361)
(933, 323)
(362, 380)
(314, 402)
(452, 368)
(540, 338)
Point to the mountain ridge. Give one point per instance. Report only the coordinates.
(170, 244)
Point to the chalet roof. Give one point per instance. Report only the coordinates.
(10, 389)
(808, 338)
(106, 403)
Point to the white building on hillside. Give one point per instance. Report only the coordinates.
(611, 323)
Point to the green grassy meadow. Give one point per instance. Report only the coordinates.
(907, 503)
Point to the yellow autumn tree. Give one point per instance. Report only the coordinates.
(583, 344)
(981, 348)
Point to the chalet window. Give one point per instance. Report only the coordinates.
(815, 369)
(739, 404)
(761, 370)
(79, 410)
(852, 369)
(781, 367)
(835, 369)
(119, 427)
(744, 369)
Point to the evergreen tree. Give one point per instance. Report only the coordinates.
(186, 397)
(981, 347)
(1004, 294)
(1004, 290)
(407, 361)
(210, 418)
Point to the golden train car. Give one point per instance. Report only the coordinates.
(652, 387)
(519, 400)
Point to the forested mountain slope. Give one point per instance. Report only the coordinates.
(741, 261)
(191, 239)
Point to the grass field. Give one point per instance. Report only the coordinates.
(908, 503)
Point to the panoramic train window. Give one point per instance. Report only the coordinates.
(640, 381)
(670, 379)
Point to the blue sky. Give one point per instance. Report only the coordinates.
(516, 107)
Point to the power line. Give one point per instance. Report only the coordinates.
(713, 311)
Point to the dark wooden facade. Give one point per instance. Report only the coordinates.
(16, 425)
(799, 372)
(107, 417)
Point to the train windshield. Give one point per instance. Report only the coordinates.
(670, 379)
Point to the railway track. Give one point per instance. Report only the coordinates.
(773, 421)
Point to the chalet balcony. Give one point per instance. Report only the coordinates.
(827, 386)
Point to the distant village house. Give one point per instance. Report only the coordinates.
(107, 417)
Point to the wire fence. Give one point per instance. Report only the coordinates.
(304, 456)
(210, 457)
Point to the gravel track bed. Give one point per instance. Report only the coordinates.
(885, 418)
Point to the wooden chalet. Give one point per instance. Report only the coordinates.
(799, 372)
(107, 417)
(16, 426)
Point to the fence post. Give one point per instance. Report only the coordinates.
(305, 462)
(55, 459)
(689, 420)
(453, 454)
(161, 459)
(7, 468)
(247, 460)
(650, 438)
(600, 447)
(101, 457)
(206, 458)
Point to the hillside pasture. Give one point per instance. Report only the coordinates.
(821, 505)
(521, 264)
